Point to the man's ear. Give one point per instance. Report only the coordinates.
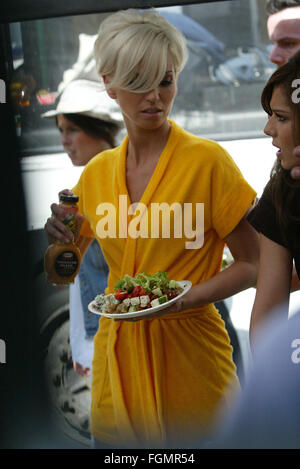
(110, 91)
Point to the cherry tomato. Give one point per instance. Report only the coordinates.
(121, 295)
(136, 291)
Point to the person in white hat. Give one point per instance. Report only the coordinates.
(89, 122)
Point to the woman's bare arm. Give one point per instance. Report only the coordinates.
(273, 283)
(243, 243)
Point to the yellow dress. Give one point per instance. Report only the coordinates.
(158, 382)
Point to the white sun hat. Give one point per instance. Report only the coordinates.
(89, 98)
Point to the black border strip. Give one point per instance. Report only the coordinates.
(22, 10)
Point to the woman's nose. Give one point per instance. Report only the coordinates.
(64, 138)
(268, 130)
(153, 95)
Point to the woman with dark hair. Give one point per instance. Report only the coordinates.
(96, 127)
(277, 215)
(89, 123)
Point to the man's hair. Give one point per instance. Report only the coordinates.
(274, 6)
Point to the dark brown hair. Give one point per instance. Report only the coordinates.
(274, 6)
(95, 127)
(285, 191)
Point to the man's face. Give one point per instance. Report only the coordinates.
(284, 32)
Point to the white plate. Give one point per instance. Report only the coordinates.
(185, 284)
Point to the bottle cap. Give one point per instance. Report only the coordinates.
(68, 198)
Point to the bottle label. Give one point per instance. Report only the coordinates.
(66, 263)
(70, 222)
(69, 219)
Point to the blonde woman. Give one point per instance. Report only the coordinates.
(158, 381)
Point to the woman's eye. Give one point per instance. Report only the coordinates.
(289, 44)
(280, 118)
(166, 82)
(68, 130)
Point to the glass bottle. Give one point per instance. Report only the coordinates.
(62, 260)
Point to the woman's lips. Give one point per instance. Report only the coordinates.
(152, 112)
(279, 151)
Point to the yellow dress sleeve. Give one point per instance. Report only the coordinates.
(231, 194)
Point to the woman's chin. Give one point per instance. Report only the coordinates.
(75, 161)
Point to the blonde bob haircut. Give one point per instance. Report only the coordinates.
(132, 49)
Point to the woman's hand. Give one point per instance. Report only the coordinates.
(81, 370)
(56, 230)
(295, 172)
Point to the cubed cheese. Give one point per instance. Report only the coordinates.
(100, 299)
(135, 301)
(121, 308)
(110, 299)
(155, 302)
(144, 300)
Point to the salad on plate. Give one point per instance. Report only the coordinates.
(132, 294)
